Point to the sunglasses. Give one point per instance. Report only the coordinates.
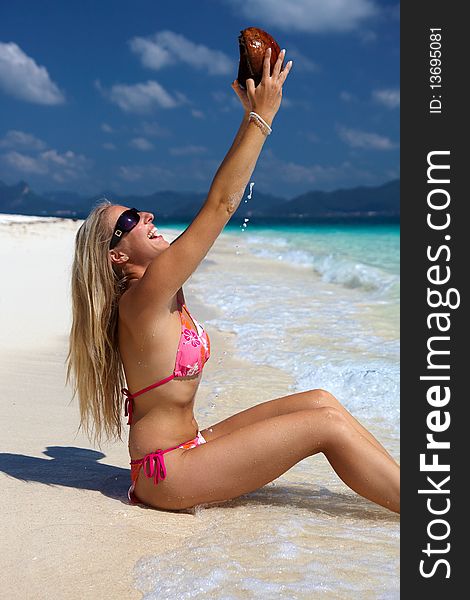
(126, 222)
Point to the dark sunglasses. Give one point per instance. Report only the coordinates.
(126, 222)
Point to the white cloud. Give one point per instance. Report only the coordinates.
(301, 62)
(311, 136)
(288, 103)
(152, 129)
(272, 170)
(368, 37)
(109, 146)
(20, 139)
(388, 97)
(187, 150)
(167, 48)
(221, 97)
(61, 167)
(363, 139)
(312, 16)
(22, 78)
(197, 114)
(148, 172)
(186, 172)
(347, 96)
(141, 143)
(24, 164)
(130, 173)
(106, 128)
(143, 97)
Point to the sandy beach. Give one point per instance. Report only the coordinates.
(68, 531)
(67, 525)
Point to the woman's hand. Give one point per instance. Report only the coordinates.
(241, 93)
(265, 99)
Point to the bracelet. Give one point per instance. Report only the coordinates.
(265, 128)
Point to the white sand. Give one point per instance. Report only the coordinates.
(67, 530)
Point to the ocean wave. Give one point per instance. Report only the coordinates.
(331, 267)
(7, 219)
(359, 369)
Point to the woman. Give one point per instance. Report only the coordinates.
(130, 322)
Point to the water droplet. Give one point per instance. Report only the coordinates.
(210, 428)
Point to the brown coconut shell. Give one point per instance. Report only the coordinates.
(253, 43)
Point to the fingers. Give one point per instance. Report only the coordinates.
(278, 64)
(285, 72)
(267, 64)
(250, 87)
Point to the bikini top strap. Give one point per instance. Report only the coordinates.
(130, 396)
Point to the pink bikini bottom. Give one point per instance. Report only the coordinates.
(154, 465)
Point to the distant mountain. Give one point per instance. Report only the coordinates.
(380, 202)
(360, 201)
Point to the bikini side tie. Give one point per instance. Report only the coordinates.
(154, 466)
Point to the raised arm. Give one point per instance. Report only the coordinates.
(168, 271)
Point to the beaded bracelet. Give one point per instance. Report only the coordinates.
(260, 122)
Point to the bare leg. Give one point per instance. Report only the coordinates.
(317, 398)
(252, 456)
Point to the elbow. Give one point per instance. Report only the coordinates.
(231, 201)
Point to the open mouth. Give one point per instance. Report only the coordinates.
(154, 235)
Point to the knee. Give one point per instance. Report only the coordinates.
(330, 414)
(334, 424)
(319, 398)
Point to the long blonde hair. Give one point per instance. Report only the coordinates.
(94, 362)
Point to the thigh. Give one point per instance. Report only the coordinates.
(272, 408)
(241, 461)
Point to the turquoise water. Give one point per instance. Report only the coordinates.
(320, 302)
(366, 246)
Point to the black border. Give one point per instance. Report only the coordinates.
(422, 132)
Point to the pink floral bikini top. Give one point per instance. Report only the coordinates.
(193, 352)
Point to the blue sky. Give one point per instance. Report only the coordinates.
(135, 97)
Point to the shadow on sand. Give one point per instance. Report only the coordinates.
(71, 467)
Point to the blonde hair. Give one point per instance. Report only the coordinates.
(93, 357)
